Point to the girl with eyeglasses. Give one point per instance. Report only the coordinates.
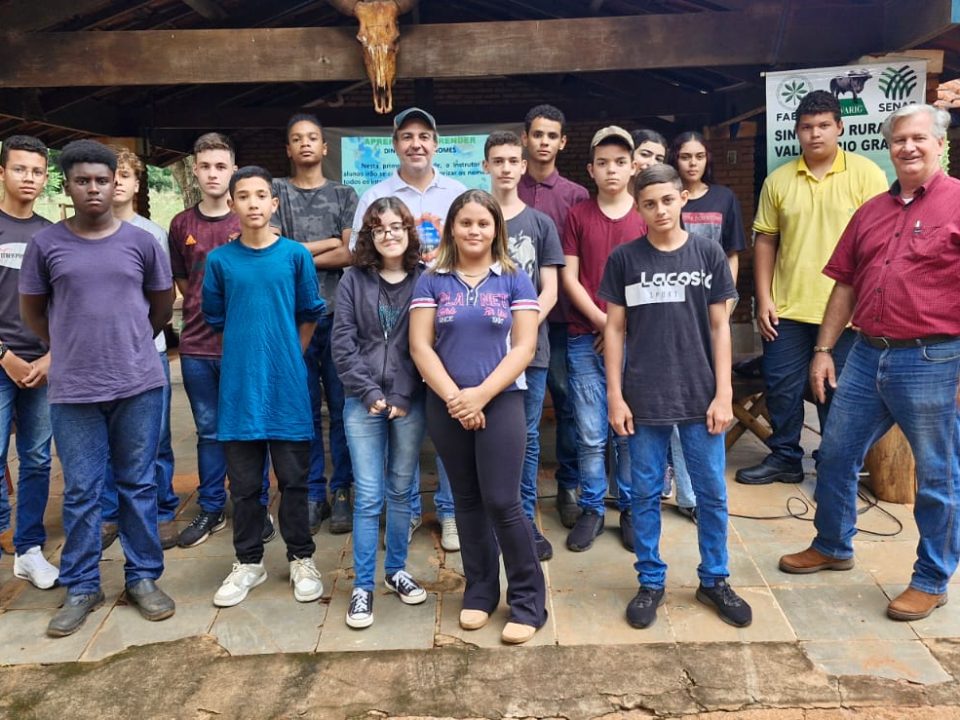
(383, 414)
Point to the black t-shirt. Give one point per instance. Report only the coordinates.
(14, 236)
(394, 301)
(716, 216)
(668, 376)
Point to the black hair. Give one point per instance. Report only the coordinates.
(643, 135)
(22, 142)
(251, 171)
(819, 101)
(86, 151)
(655, 175)
(302, 117)
(547, 112)
(500, 137)
(691, 136)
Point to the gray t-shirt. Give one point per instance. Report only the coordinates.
(533, 243)
(101, 341)
(316, 214)
(160, 235)
(15, 234)
(668, 376)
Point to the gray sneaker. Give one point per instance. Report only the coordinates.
(73, 613)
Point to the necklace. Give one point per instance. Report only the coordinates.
(474, 275)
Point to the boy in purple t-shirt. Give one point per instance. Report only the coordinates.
(98, 290)
(594, 228)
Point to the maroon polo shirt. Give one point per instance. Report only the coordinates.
(903, 262)
(554, 197)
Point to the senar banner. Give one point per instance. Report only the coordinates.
(867, 95)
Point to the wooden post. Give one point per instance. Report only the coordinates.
(893, 473)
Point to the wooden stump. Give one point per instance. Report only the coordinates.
(893, 473)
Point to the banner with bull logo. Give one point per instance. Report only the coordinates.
(867, 94)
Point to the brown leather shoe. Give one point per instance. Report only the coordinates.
(811, 561)
(108, 534)
(913, 604)
(169, 534)
(6, 539)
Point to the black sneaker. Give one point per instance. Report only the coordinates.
(202, 527)
(341, 514)
(544, 548)
(642, 610)
(360, 612)
(269, 531)
(585, 531)
(317, 513)
(568, 507)
(731, 608)
(626, 529)
(406, 587)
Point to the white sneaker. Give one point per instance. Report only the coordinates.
(242, 578)
(305, 579)
(414, 524)
(449, 539)
(33, 566)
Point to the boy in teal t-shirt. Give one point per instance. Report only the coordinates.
(261, 292)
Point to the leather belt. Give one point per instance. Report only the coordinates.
(882, 343)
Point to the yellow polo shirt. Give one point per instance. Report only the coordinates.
(809, 215)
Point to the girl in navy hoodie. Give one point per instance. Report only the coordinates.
(383, 415)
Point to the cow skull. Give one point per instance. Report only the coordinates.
(378, 34)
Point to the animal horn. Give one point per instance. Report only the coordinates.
(347, 7)
(405, 6)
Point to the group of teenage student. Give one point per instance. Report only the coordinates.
(420, 307)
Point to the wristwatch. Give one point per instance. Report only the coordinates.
(816, 348)
(3, 349)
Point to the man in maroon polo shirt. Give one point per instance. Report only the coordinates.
(896, 268)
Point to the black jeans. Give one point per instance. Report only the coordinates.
(291, 462)
(484, 468)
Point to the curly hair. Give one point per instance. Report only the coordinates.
(365, 254)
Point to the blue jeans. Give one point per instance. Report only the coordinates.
(786, 367)
(588, 395)
(568, 470)
(915, 388)
(201, 381)
(533, 411)
(321, 370)
(167, 500)
(686, 498)
(127, 431)
(442, 498)
(28, 406)
(706, 459)
(384, 454)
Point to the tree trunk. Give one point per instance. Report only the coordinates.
(183, 175)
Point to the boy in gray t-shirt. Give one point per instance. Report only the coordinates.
(667, 359)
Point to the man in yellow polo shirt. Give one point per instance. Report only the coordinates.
(804, 207)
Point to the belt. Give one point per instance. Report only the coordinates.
(882, 343)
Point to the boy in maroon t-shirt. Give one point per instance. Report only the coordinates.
(594, 228)
(194, 233)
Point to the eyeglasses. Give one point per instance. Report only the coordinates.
(380, 232)
(22, 172)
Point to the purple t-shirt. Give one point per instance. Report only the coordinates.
(473, 325)
(101, 342)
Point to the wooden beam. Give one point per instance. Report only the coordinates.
(909, 24)
(29, 15)
(156, 57)
(208, 9)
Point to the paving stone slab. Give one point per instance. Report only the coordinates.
(396, 626)
(585, 616)
(24, 637)
(839, 613)
(897, 660)
(269, 624)
(124, 627)
(692, 621)
(450, 632)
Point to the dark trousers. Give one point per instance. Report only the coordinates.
(786, 368)
(484, 468)
(291, 462)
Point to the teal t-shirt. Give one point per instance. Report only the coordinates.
(257, 298)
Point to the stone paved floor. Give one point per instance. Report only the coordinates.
(837, 618)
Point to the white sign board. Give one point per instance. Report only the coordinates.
(867, 95)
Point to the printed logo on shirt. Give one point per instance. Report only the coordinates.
(705, 224)
(191, 240)
(496, 306)
(524, 252)
(11, 255)
(665, 287)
